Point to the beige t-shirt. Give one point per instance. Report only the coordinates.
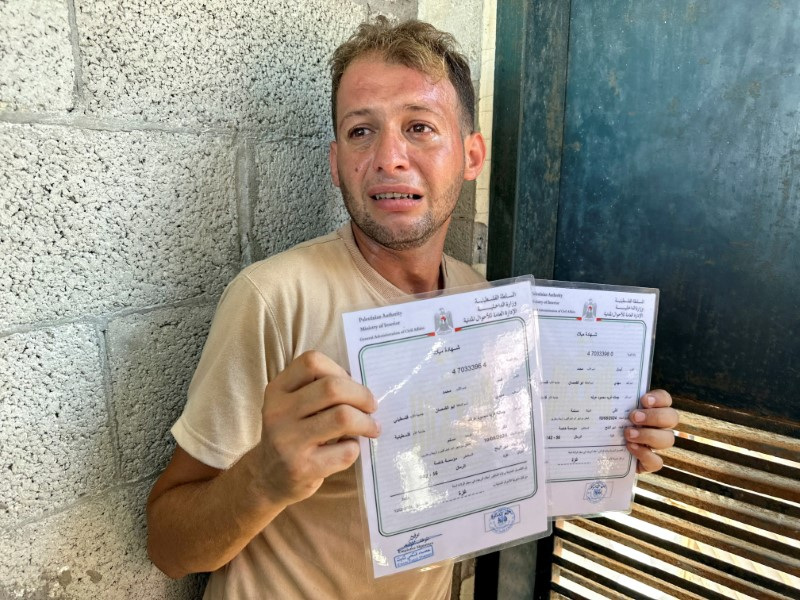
(272, 312)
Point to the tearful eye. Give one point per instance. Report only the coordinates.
(420, 128)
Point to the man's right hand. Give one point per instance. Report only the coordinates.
(200, 517)
(312, 412)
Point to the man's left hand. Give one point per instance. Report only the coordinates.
(652, 430)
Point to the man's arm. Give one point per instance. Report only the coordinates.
(652, 430)
(199, 517)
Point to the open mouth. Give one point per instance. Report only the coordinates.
(396, 196)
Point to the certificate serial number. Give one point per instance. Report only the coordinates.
(468, 368)
(600, 353)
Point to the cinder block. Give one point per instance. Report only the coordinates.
(296, 199)
(96, 549)
(463, 20)
(54, 430)
(467, 241)
(459, 240)
(152, 358)
(255, 64)
(96, 221)
(394, 9)
(36, 61)
(465, 209)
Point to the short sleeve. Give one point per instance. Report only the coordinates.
(222, 417)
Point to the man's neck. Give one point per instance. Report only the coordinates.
(414, 271)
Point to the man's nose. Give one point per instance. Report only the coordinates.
(391, 152)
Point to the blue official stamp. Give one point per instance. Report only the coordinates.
(596, 491)
(415, 555)
(501, 519)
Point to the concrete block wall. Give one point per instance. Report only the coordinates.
(148, 151)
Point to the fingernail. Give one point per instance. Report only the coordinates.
(378, 427)
(649, 401)
(633, 433)
(634, 446)
(638, 416)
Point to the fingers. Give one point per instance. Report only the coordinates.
(311, 383)
(642, 442)
(331, 391)
(656, 399)
(306, 368)
(656, 411)
(311, 412)
(299, 474)
(332, 458)
(647, 460)
(324, 409)
(295, 457)
(339, 421)
(653, 424)
(660, 418)
(656, 439)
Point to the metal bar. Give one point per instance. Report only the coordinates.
(746, 537)
(743, 477)
(559, 592)
(506, 125)
(659, 579)
(708, 567)
(487, 568)
(530, 79)
(736, 510)
(784, 434)
(594, 582)
(735, 574)
(738, 458)
(723, 541)
(544, 568)
(772, 504)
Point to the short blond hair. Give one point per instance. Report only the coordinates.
(414, 44)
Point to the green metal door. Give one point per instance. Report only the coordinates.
(657, 143)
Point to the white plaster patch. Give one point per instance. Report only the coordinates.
(97, 221)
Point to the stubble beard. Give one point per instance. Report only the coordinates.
(410, 237)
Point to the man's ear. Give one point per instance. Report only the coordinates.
(333, 164)
(474, 154)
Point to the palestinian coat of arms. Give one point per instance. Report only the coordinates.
(589, 310)
(443, 322)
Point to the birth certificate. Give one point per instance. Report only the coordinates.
(597, 346)
(459, 467)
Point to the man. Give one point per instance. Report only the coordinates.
(261, 488)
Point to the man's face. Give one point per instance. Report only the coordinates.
(399, 157)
